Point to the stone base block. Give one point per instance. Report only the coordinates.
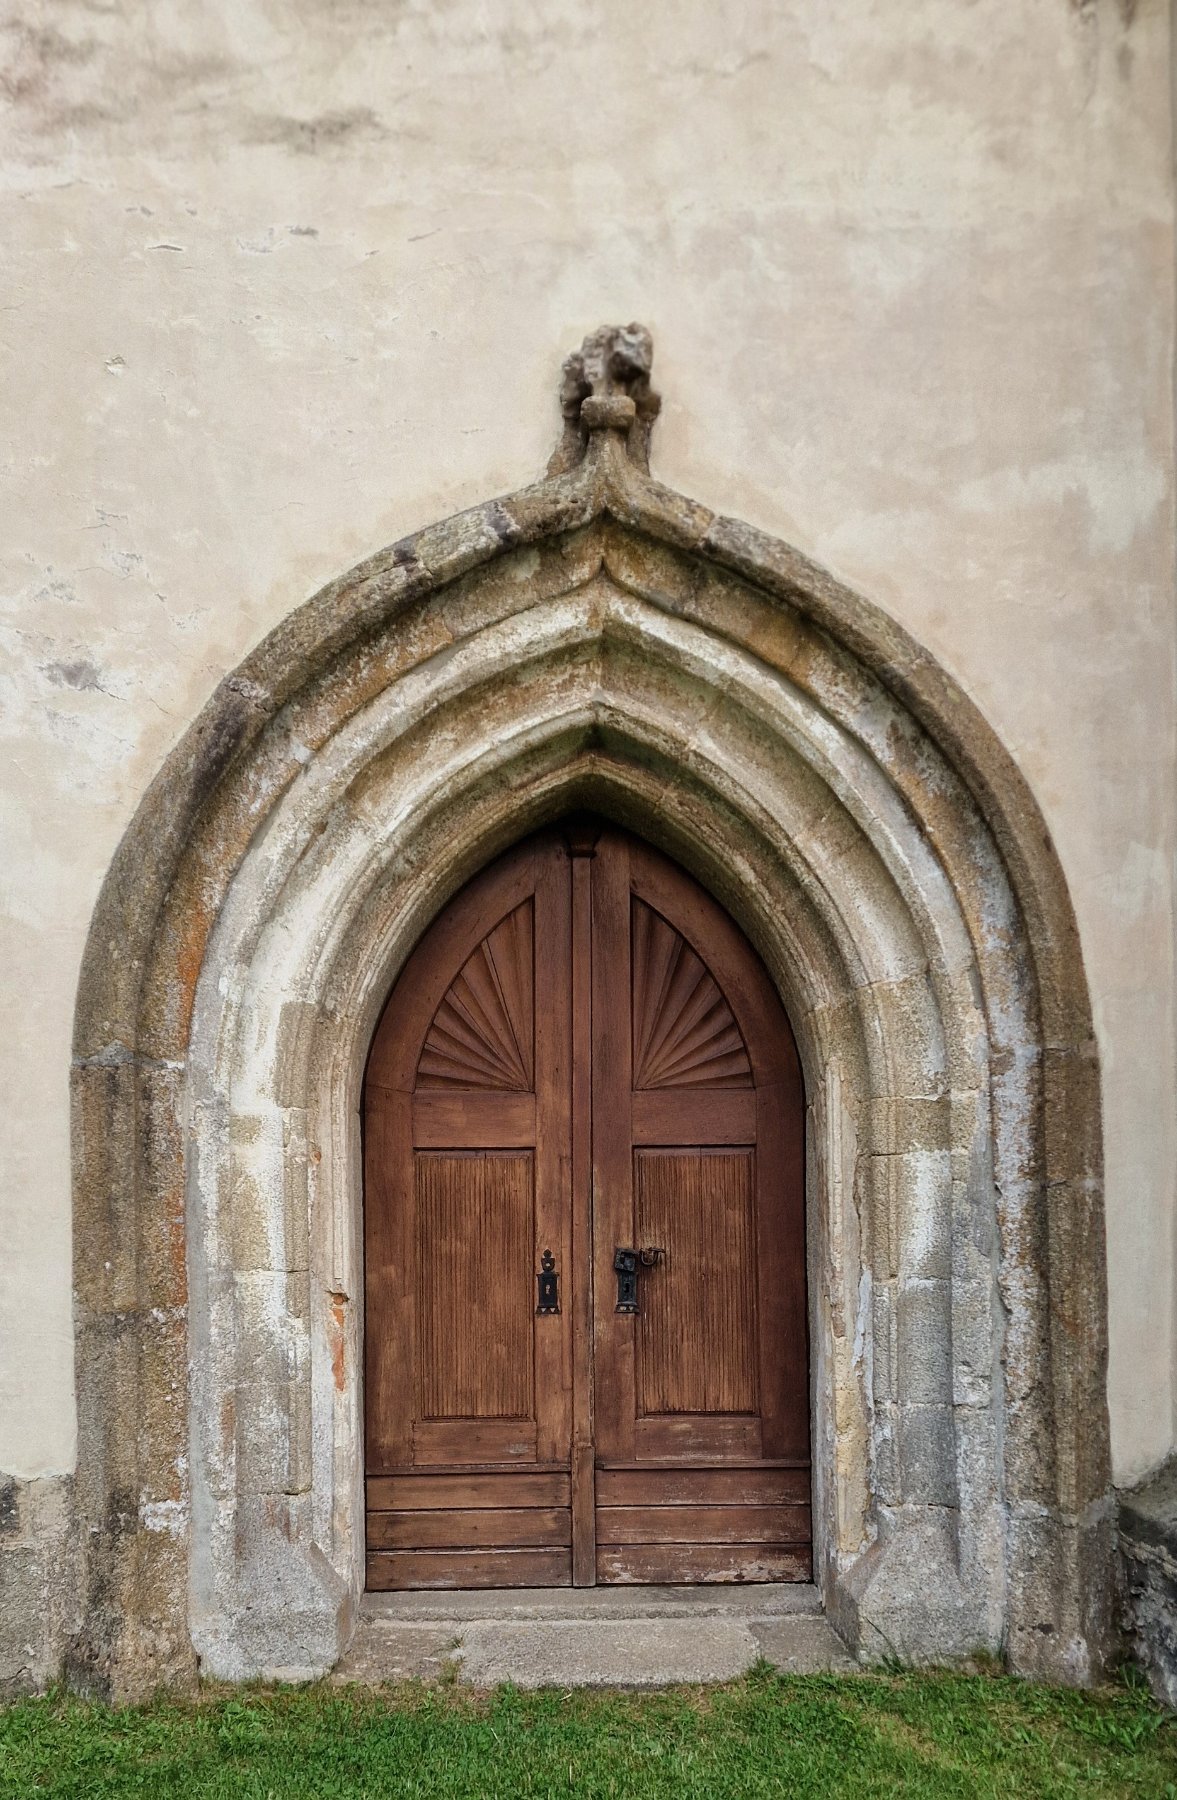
(1148, 1547)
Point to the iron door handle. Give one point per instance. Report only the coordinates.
(626, 1263)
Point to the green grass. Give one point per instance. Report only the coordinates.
(903, 1734)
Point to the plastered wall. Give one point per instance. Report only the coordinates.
(284, 283)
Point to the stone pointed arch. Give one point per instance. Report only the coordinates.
(594, 639)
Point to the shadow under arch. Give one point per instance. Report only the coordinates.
(594, 640)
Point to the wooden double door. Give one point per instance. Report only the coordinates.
(586, 1347)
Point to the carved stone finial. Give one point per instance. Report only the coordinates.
(606, 387)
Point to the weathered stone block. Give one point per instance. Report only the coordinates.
(884, 1353)
(924, 1342)
(904, 1596)
(1148, 1546)
(925, 1221)
(106, 1201)
(927, 1455)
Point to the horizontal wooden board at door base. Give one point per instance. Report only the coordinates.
(475, 1528)
(391, 1569)
(455, 1488)
(673, 1564)
(703, 1524)
(683, 1486)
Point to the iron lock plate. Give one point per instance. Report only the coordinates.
(625, 1262)
(548, 1281)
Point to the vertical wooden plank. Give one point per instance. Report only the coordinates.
(389, 1301)
(780, 1230)
(584, 1538)
(553, 1077)
(613, 1212)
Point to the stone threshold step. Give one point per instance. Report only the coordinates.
(748, 1600)
(643, 1638)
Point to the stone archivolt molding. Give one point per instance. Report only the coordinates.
(592, 640)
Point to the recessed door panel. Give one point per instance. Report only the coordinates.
(475, 1231)
(697, 1349)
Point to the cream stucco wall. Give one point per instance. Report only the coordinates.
(284, 283)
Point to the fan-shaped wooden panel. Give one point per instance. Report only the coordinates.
(684, 1034)
(483, 1033)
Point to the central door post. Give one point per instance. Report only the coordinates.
(581, 839)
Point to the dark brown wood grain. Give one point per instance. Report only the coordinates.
(582, 847)
(388, 1569)
(483, 1033)
(467, 1488)
(615, 1334)
(473, 1121)
(469, 1442)
(475, 1224)
(552, 1336)
(719, 1524)
(699, 1437)
(755, 1486)
(482, 1527)
(391, 1275)
(698, 1131)
(673, 1564)
(684, 1032)
(694, 1116)
(699, 1202)
(467, 1126)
